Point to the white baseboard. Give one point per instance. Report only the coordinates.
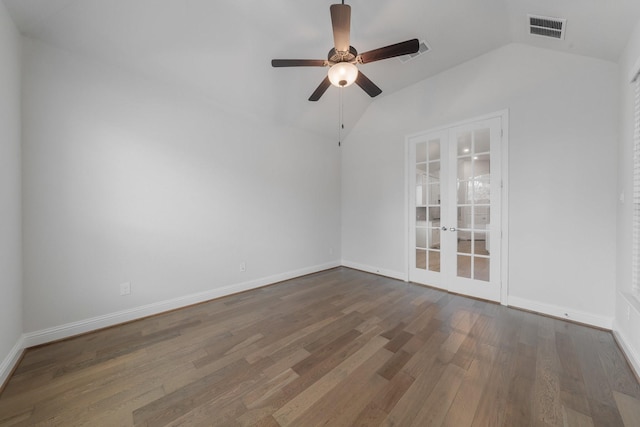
(562, 312)
(9, 362)
(375, 270)
(80, 327)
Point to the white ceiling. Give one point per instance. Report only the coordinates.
(221, 49)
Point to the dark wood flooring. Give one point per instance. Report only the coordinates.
(340, 347)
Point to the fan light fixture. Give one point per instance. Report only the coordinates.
(342, 58)
(343, 74)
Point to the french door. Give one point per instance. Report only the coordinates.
(454, 208)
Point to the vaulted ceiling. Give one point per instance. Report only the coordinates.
(221, 49)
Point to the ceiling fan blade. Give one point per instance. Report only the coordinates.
(320, 90)
(341, 22)
(398, 49)
(298, 62)
(367, 85)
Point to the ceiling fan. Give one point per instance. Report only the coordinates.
(342, 59)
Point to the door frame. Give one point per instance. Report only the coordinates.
(504, 169)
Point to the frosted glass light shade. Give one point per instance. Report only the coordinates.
(343, 74)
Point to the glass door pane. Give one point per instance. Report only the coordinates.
(433, 178)
(427, 202)
(473, 203)
(428, 154)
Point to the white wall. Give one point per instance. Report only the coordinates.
(563, 113)
(130, 181)
(10, 199)
(627, 316)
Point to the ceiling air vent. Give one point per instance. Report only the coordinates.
(423, 47)
(545, 26)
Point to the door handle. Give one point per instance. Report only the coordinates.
(444, 228)
(452, 229)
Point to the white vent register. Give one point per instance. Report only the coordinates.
(545, 26)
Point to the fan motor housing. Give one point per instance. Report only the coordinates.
(336, 56)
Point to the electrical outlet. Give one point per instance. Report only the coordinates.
(243, 266)
(125, 288)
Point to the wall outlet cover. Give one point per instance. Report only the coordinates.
(125, 288)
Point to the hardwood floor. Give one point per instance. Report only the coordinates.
(335, 348)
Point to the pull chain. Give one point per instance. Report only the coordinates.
(340, 116)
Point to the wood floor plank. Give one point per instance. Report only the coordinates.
(300, 384)
(522, 387)
(463, 408)
(196, 371)
(602, 404)
(186, 399)
(260, 417)
(15, 418)
(256, 397)
(394, 364)
(546, 385)
(618, 373)
(289, 339)
(629, 408)
(572, 388)
(491, 409)
(339, 347)
(572, 418)
(468, 350)
(437, 404)
(398, 341)
(282, 364)
(297, 406)
(406, 410)
(340, 406)
(388, 397)
(422, 320)
(319, 354)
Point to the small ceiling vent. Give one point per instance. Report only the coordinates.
(423, 47)
(545, 26)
